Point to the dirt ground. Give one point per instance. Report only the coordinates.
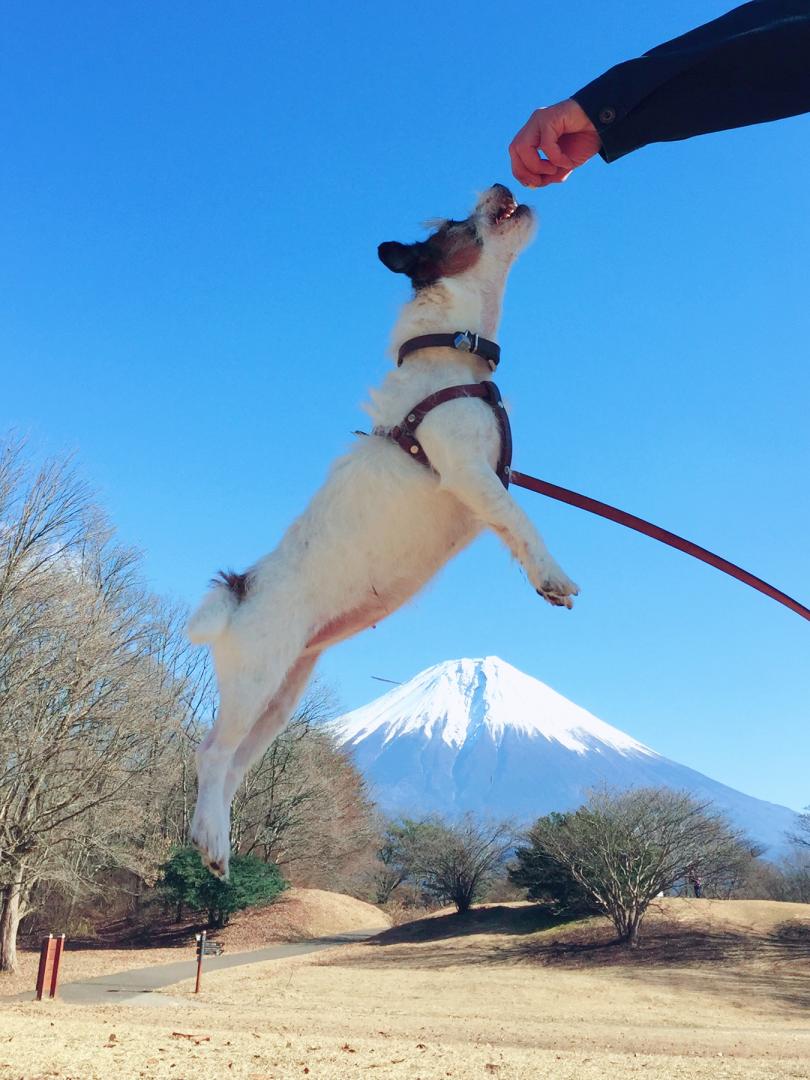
(719, 989)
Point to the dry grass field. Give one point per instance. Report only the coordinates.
(719, 989)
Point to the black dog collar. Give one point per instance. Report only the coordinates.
(463, 340)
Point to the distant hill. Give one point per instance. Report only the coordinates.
(481, 735)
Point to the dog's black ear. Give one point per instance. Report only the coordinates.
(401, 258)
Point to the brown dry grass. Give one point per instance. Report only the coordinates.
(300, 914)
(489, 996)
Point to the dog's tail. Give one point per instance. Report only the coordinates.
(211, 618)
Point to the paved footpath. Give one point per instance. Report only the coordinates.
(139, 986)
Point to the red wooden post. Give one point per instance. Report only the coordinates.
(200, 951)
(45, 962)
(59, 945)
(50, 955)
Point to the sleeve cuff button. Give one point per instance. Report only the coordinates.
(607, 115)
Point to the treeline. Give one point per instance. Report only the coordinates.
(102, 703)
(612, 856)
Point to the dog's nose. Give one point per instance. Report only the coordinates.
(502, 189)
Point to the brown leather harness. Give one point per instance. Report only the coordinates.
(404, 435)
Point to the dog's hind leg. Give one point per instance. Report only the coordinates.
(479, 488)
(249, 677)
(271, 722)
(280, 708)
(210, 827)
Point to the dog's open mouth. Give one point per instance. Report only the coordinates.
(504, 212)
(507, 209)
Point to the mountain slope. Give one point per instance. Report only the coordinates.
(481, 735)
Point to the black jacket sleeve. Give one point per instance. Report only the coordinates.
(749, 66)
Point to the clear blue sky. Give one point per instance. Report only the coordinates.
(191, 196)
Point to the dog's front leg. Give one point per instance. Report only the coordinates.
(478, 487)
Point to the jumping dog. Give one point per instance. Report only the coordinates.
(385, 521)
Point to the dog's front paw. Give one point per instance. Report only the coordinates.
(210, 836)
(557, 588)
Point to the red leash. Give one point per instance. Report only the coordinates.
(404, 434)
(573, 498)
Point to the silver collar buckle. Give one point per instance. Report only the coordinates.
(466, 341)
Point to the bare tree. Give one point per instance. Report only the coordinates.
(794, 878)
(801, 835)
(785, 880)
(42, 521)
(457, 861)
(86, 699)
(625, 848)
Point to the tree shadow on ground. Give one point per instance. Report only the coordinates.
(493, 919)
(774, 965)
(440, 940)
(669, 944)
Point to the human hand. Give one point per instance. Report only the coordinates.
(563, 133)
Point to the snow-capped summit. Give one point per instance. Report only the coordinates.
(481, 735)
(455, 700)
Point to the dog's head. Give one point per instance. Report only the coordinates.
(484, 243)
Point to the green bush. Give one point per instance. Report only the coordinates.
(185, 882)
(546, 880)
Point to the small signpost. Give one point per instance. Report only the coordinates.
(205, 948)
(50, 956)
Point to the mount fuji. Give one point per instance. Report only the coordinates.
(480, 735)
